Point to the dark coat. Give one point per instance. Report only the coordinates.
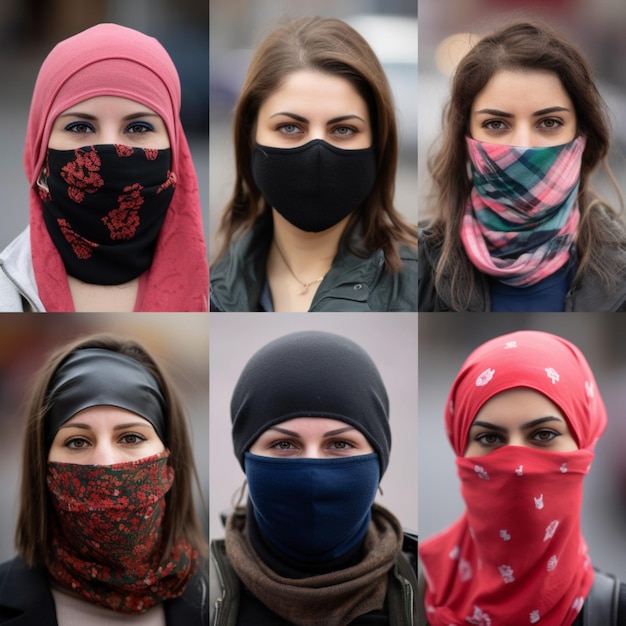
(352, 283)
(26, 599)
(587, 295)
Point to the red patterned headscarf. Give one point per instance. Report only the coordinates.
(517, 554)
(112, 60)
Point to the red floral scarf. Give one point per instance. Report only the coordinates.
(107, 535)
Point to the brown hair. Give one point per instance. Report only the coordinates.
(520, 46)
(181, 519)
(326, 45)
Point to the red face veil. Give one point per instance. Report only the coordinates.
(516, 555)
(112, 60)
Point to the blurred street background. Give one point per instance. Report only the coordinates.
(238, 26)
(29, 29)
(27, 340)
(444, 343)
(596, 26)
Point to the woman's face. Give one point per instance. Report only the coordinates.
(108, 120)
(519, 417)
(312, 438)
(104, 435)
(526, 108)
(314, 105)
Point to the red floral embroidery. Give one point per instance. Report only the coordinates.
(170, 182)
(122, 150)
(151, 154)
(123, 221)
(82, 174)
(81, 246)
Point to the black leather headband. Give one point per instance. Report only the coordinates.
(98, 377)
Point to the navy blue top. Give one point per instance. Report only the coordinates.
(546, 295)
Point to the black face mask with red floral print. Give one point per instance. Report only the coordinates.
(104, 208)
(107, 534)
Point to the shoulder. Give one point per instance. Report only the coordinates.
(25, 592)
(224, 586)
(192, 607)
(237, 278)
(17, 277)
(397, 291)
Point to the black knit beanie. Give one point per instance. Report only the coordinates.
(311, 374)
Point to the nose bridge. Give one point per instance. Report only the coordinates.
(110, 134)
(313, 451)
(523, 136)
(103, 453)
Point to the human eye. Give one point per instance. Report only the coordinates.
(341, 444)
(344, 131)
(551, 123)
(283, 445)
(76, 443)
(545, 435)
(132, 439)
(495, 125)
(139, 127)
(289, 129)
(80, 127)
(488, 439)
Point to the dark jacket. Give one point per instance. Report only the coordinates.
(225, 586)
(26, 599)
(352, 283)
(587, 295)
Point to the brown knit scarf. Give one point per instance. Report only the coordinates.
(333, 599)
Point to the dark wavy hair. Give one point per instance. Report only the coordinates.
(181, 519)
(522, 45)
(331, 46)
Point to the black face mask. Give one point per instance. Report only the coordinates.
(316, 185)
(105, 208)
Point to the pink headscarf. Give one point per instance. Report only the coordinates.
(112, 60)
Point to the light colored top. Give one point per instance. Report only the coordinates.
(72, 610)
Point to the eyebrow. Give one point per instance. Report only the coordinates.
(528, 425)
(89, 116)
(83, 426)
(546, 111)
(330, 433)
(334, 120)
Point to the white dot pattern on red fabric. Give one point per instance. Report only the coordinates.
(485, 377)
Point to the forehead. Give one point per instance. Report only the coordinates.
(315, 91)
(105, 416)
(109, 105)
(514, 407)
(523, 90)
(311, 425)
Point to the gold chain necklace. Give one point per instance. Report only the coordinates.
(304, 285)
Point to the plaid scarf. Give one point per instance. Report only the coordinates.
(522, 215)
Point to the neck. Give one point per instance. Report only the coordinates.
(307, 253)
(103, 298)
(298, 261)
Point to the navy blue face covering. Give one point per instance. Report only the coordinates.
(98, 377)
(313, 510)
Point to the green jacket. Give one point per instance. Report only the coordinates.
(352, 283)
